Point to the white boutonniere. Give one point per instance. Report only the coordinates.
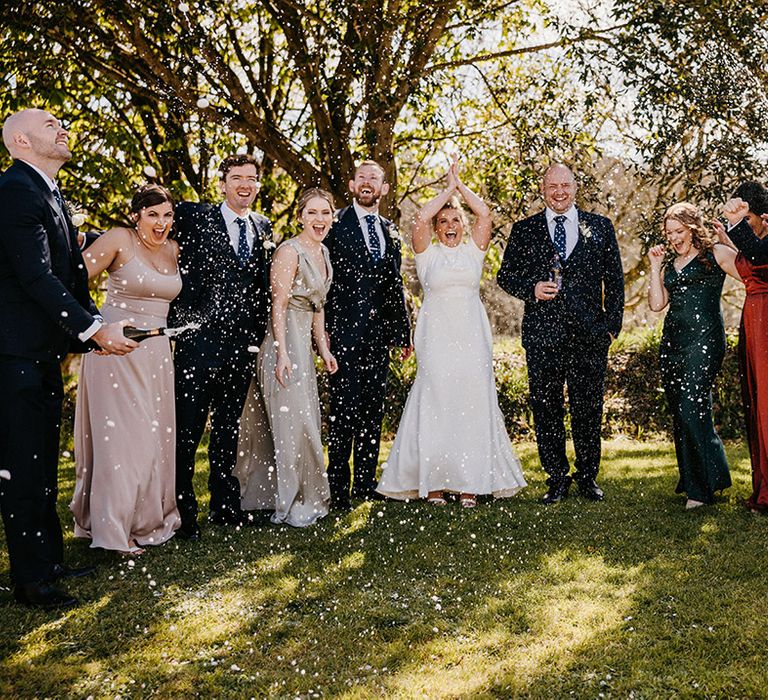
(394, 234)
(269, 245)
(585, 231)
(76, 215)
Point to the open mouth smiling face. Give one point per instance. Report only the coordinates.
(154, 224)
(449, 227)
(368, 187)
(679, 237)
(317, 217)
(241, 186)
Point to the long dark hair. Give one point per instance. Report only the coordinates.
(754, 194)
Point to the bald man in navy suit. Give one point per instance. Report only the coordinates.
(45, 312)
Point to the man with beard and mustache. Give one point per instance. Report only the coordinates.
(224, 269)
(365, 315)
(45, 312)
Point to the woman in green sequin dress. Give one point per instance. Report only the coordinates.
(692, 345)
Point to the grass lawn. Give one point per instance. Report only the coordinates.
(632, 597)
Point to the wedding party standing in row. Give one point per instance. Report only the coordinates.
(125, 425)
(45, 312)
(564, 263)
(365, 317)
(281, 465)
(753, 343)
(224, 270)
(452, 435)
(692, 346)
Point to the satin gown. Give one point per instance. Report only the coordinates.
(452, 435)
(691, 354)
(280, 462)
(753, 366)
(125, 426)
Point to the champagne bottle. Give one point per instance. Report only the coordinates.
(556, 272)
(139, 334)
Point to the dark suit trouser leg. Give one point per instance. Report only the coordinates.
(357, 409)
(546, 383)
(374, 364)
(194, 387)
(30, 422)
(344, 390)
(229, 393)
(585, 376)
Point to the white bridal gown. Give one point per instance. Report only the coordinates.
(452, 435)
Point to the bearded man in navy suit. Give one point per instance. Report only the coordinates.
(568, 325)
(45, 312)
(365, 316)
(224, 270)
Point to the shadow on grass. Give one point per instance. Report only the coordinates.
(408, 600)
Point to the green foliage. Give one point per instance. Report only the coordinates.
(310, 88)
(696, 68)
(635, 404)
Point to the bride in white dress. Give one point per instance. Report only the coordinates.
(452, 435)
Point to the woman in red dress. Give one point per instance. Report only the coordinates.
(753, 347)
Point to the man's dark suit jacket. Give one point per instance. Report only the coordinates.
(230, 302)
(591, 301)
(755, 249)
(363, 292)
(44, 300)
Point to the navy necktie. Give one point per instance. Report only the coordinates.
(60, 203)
(59, 199)
(560, 236)
(243, 251)
(373, 238)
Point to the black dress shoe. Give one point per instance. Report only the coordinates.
(591, 491)
(41, 594)
(242, 520)
(64, 571)
(190, 532)
(341, 505)
(557, 492)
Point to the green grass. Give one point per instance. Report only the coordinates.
(632, 597)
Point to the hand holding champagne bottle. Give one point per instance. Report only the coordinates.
(139, 334)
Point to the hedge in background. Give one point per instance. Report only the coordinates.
(634, 398)
(635, 404)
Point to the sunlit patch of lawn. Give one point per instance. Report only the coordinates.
(632, 597)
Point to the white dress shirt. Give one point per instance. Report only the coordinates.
(98, 323)
(361, 214)
(233, 228)
(571, 224)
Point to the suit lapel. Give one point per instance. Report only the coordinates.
(385, 226)
(579, 247)
(257, 250)
(60, 218)
(223, 235)
(543, 230)
(356, 235)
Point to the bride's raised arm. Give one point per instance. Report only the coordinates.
(481, 231)
(421, 235)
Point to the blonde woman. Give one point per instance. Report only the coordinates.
(692, 345)
(452, 436)
(280, 460)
